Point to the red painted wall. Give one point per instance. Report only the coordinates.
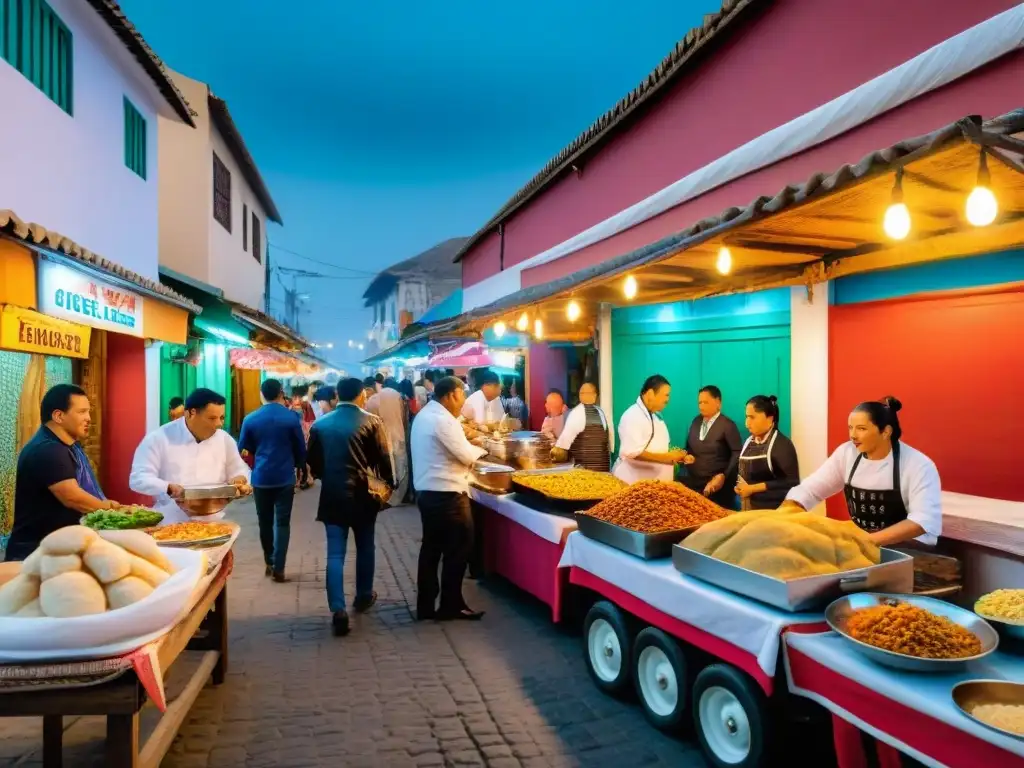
(954, 362)
(124, 414)
(548, 369)
(789, 60)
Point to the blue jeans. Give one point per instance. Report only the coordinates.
(274, 513)
(337, 546)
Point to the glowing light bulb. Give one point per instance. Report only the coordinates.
(724, 261)
(630, 287)
(981, 206)
(573, 311)
(499, 329)
(538, 329)
(522, 323)
(897, 221)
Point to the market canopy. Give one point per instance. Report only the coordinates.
(271, 361)
(465, 355)
(826, 227)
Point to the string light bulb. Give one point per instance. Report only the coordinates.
(982, 206)
(897, 216)
(724, 261)
(523, 323)
(573, 311)
(630, 287)
(538, 329)
(499, 329)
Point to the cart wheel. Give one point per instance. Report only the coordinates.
(729, 715)
(606, 645)
(660, 678)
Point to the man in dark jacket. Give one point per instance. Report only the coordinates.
(349, 453)
(713, 448)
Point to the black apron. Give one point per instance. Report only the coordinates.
(756, 467)
(876, 510)
(590, 448)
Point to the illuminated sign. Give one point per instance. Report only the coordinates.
(72, 295)
(23, 330)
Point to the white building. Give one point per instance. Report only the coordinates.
(80, 94)
(214, 205)
(402, 293)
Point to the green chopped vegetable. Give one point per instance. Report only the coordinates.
(121, 519)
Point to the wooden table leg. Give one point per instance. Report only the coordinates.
(219, 635)
(53, 741)
(123, 741)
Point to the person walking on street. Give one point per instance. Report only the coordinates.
(325, 400)
(441, 458)
(273, 435)
(349, 453)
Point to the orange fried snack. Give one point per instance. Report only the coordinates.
(653, 506)
(912, 631)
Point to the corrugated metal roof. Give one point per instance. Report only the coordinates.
(37, 234)
(435, 263)
(679, 60)
(262, 319)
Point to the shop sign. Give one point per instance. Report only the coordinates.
(72, 295)
(23, 330)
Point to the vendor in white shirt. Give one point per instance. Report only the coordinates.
(643, 437)
(892, 490)
(193, 450)
(585, 438)
(484, 406)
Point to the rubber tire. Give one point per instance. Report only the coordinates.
(754, 704)
(651, 637)
(610, 613)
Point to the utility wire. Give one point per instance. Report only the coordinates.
(323, 263)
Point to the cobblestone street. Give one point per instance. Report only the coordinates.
(510, 691)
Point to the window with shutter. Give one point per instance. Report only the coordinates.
(35, 42)
(257, 241)
(245, 227)
(221, 193)
(134, 139)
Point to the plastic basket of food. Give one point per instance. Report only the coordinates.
(86, 593)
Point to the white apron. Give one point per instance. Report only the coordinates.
(632, 470)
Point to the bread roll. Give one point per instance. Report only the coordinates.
(31, 611)
(107, 562)
(128, 590)
(74, 593)
(30, 566)
(146, 571)
(55, 565)
(141, 544)
(17, 593)
(72, 540)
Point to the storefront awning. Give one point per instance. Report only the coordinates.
(271, 361)
(466, 355)
(268, 330)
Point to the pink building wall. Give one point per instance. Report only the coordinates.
(793, 57)
(547, 368)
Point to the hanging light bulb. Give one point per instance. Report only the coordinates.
(630, 287)
(724, 261)
(897, 216)
(499, 329)
(523, 323)
(981, 203)
(538, 329)
(573, 311)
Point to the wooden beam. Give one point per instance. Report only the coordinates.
(930, 182)
(767, 245)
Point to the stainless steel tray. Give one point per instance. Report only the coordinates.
(649, 546)
(895, 573)
(195, 492)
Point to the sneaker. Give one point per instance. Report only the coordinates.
(279, 577)
(339, 623)
(365, 604)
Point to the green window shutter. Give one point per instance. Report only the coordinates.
(35, 42)
(134, 139)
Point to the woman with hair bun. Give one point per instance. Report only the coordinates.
(892, 491)
(768, 467)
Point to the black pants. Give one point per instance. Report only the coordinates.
(448, 541)
(723, 497)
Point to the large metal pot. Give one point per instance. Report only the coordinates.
(492, 477)
(523, 450)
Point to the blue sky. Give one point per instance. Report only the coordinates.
(383, 128)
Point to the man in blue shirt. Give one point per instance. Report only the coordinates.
(273, 435)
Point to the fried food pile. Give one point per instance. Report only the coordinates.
(185, 532)
(786, 545)
(1003, 604)
(912, 631)
(77, 571)
(651, 506)
(572, 485)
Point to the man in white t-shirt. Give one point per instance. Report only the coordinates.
(484, 405)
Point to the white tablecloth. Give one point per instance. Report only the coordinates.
(749, 625)
(928, 693)
(551, 528)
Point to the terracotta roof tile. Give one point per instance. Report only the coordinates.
(245, 312)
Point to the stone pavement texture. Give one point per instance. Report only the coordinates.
(510, 691)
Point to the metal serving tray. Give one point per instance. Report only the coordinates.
(894, 574)
(195, 492)
(649, 546)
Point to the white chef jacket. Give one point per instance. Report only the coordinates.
(576, 422)
(919, 484)
(171, 455)
(441, 454)
(482, 411)
(635, 437)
